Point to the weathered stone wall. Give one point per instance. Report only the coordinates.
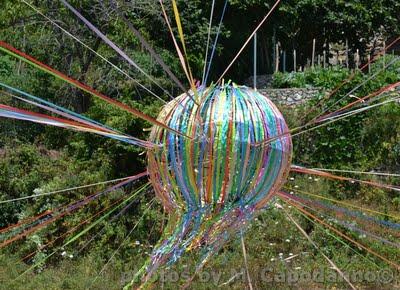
(290, 97)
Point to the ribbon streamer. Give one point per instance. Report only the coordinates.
(300, 169)
(92, 50)
(111, 44)
(54, 215)
(149, 48)
(14, 113)
(5, 47)
(319, 249)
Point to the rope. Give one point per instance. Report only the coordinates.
(377, 93)
(72, 207)
(71, 230)
(338, 117)
(73, 204)
(245, 261)
(337, 238)
(378, 238)
(340, 210)
(104, 228)
(182, 37)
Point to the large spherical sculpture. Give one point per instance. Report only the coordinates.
(235, 155)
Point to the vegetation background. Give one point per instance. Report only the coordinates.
(35, 158)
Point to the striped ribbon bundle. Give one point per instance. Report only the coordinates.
(215, 182)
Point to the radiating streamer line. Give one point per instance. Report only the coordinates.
(303, 170)
(214, 48)
(55, 108)
(92, 50)
(328, 121)
(64, 190)
(340, 210)
(245, 261)
(344, 203)
(75, 204)
(350, 113)
(360, 100)
(303, 232)
(104, 228)
(182, 60)
(349, 226)
(386, 174)
(178, 50)
(339, 240)
(72, 229)
(124, 241)
(14, 113)
(208, 40)
(52, 218)
(249, 39)
(112, 44)
(64, 113)
(350, 78)
(182, 37)
(373, 236)
(74, 238)
(5, 47)
(356, 88)
(149, 48)
(140, 190)
(391, 263)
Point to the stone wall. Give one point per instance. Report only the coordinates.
(290, 97)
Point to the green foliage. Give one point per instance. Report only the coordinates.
(347, 143)
(38, 159)
(319, 77)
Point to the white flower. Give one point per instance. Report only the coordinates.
(37, 191)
